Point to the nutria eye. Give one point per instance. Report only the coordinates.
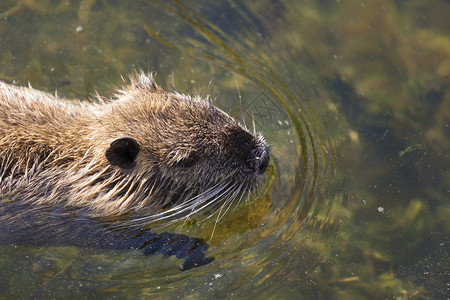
(189, 160)
(123, 152)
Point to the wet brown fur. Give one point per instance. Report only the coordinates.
(52, 150)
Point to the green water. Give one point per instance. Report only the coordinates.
(353, 98)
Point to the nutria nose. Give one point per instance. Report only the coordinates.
(259, 160)
(263, 160)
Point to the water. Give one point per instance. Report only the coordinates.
(351, 96)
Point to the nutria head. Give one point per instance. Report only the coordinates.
(168, 149)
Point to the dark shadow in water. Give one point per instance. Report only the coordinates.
(25, 225)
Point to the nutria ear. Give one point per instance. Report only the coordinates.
(123, 152)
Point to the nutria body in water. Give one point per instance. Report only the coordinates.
(143, 150)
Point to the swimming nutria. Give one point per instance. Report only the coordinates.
(143, 150)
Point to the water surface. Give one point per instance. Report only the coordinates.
(351, 96)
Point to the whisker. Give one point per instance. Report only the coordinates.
(239, 201)
(214, 202)
(218, 211)
(240, 103)
(220, 198)
(178, 210)
(254, 126)
(206, 201)
(228, 203)
(211, 193)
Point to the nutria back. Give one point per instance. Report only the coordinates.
(143, 150)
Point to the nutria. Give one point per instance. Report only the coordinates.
(144, 150)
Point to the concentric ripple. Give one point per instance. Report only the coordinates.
(261, 246)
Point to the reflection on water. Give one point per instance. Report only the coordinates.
(352, 98)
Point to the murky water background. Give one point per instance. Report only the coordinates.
(352, 97)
